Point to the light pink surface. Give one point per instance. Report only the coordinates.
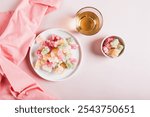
(127, 77)
(18, 30)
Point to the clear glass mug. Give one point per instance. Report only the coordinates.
(89, 21)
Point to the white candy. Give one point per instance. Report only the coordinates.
(114, 43)
(120, 47)
(46, 68)
(53, 60)
(69, 65)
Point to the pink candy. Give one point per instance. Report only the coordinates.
(54, 38)
(52, 41)
(105, 49)
(60, 55)
(49, 64)
(74, 46)
(45, 43)
(108, 40)
(73, 60)
(106, 45)
(38, 52)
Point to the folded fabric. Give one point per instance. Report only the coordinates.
(18, 30)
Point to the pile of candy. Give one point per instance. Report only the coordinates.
(55, 54)
(112, 47)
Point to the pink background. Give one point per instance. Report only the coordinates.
(127, 77)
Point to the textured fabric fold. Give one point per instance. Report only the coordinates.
(18, 29)
(52, 4)
(4, 16)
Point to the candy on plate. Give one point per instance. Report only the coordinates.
(55, 54)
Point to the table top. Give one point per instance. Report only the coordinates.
(98, 77)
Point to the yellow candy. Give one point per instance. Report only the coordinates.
(54, 52)
(61, 42)
(59, 69)
(46, 57)
(120, 47)
(63, 65)
(37, 64)
(46, 68)
(114, 52)
(43, 61)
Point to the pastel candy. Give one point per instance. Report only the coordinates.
(59, 70)
(38, 52)
(114, 53)
(37, 64)
(105, 49)
(42, 62)
(120, 47)
(66, 51)
(46, 68)
(53, 59)
(63, 65)
(61, 42)
(69, 65)
(114, 43)
(73, 60)
(74, 46)
(108, 46)
(45, 50)
(68, 55)
(49, 64)
(70, 40)
(52, 37)
(58, 38)
(108, 40)
(45, 43)
(46, 57)
(54, 52)
(60, 55)
(51, 44)
(54, 65)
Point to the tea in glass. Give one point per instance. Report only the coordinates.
(89, 21)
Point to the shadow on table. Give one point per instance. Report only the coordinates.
(68, 22)
(96, 47)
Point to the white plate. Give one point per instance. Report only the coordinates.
(53, 76)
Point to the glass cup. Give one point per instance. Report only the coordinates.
(89, 21)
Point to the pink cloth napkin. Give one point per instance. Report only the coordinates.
(17, 31)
